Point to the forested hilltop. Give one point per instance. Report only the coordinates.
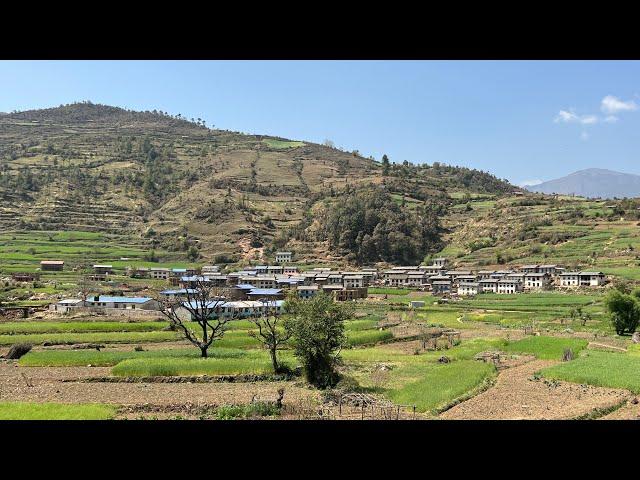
(179, 186)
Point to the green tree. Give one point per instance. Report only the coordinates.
(316, 327)
(624, 310)
(385, 165)
(270, 333)
(193, 253)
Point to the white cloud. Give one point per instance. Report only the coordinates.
(611, 105)
(529, 183)
(569, 116)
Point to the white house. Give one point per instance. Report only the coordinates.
(509, 286)
(488, 285)
(353, 281)
(592, 279)
(468, 288)
(570, 279)
(159, 273)
(536, 281)
(283, 257)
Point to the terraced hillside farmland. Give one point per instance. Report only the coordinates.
(162, 182)
(569, 231)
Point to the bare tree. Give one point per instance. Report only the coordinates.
(201, 305)
(269, 333)
(86, 284)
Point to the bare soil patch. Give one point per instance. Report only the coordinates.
(46, 384)
(517, 396)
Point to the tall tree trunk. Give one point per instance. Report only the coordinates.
(274, 360)
(204, 351)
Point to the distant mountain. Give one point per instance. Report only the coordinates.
(593, 183)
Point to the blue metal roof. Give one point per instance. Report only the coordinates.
(118, 299)
(179, 270)
(245, 286)
(177, 292)
(265, 291)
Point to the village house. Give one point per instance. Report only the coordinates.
(235, 309)
(261, 269)
(396, 277)
(307, 291)
(537, 281)
(499, 274)
(52, 265)
(171, 294)
(592, 279)
(432, 269)
(275, 270)
(309, 278)
(103, 302)
(263, 281)
(466, 278)
(159, 273)
(454, 274)
(348, 294)
(66, 305)
(334, 279)
(25, 277)
(488, 285)
(416, 279)
(484, 274)
(441, 287)
(570, 279)
(283, 257)
(529, 268)
(138, 272)
(265, 293)
(440, 261)
(206, 269)
(509, 286)
(353, 281)
(550, 269)
(468, 288)
(103, 269)
(290, 282)
(290, 269)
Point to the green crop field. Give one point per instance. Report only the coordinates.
(547, 348)
(255, 363)
(97, 337)
(15, 328)
(603, 369)
(55, 411)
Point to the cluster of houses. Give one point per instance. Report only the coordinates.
(247, 289)
(438, 279)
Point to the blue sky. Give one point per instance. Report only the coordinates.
(521, 120)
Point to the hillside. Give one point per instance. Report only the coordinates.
(593, 183)
(163, 182)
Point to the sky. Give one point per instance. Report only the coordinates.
(526, 121)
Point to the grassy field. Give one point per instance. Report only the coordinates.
(255, 362)
(55, 411)
(442, 384)
(15, 328)
(546, 348)
(107, 358)
(603, 369)
(94, 337)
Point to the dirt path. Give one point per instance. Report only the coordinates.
(516, 396)
(45, 384)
